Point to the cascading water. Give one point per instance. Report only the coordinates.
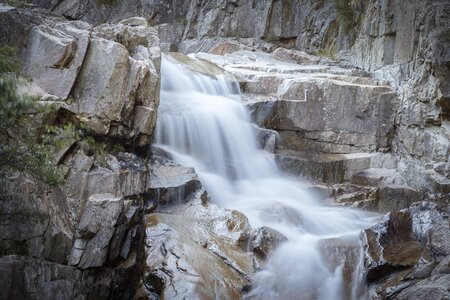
(203, 124)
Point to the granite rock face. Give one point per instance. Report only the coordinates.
(64, 58)
(85, 238)
(35, 219)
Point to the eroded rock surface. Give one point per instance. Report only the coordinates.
(199, 260)
(404, 248)
(35, 219)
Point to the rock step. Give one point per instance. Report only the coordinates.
(170, 183)
(327, 168)
(378, 177)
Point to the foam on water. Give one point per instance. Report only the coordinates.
(203, 124)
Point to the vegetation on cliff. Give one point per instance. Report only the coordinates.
(27, 145)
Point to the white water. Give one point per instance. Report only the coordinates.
(203, 124)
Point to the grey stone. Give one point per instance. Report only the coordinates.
(101, 211)
(443, 267)
(135, 21)
(55, 54)
(116, 242)
(35, 219)
(435, 287)
(32, 278)
(96, 252)
(170, 183)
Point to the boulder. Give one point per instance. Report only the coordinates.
(54, 55)
(264, 240)
(171, 183)
(199, 260)
(404, 237)
(435, 287)
(443, 267)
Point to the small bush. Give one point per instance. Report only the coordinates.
(349, 13)
(23, 147)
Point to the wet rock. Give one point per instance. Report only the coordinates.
(264, 240)
(395, 197)
(170, 183)
(421, 270)
(132, 174)
(355, 195)
(180, 258)
(351, 113)
(328, 168)
(344, 255)
(403, 237)
(35, 219)
(197, 65)
(267, 138)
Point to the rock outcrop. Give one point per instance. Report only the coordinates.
(34, 220)
(63, 58)
(83, 239)
(403, 44)
(406, 253)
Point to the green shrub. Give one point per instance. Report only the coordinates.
(23, 147)
(349, 13)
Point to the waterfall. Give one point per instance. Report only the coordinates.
(203, 124)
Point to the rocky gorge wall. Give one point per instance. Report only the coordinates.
(384, 68)
(405, 43)
(85, 237)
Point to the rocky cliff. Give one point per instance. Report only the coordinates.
(352, 95)
(403, 43)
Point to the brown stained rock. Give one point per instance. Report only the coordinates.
(391, 245)
(199, 260)
(264, 240)
(404, 237)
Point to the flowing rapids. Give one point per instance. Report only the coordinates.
(203, 124)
